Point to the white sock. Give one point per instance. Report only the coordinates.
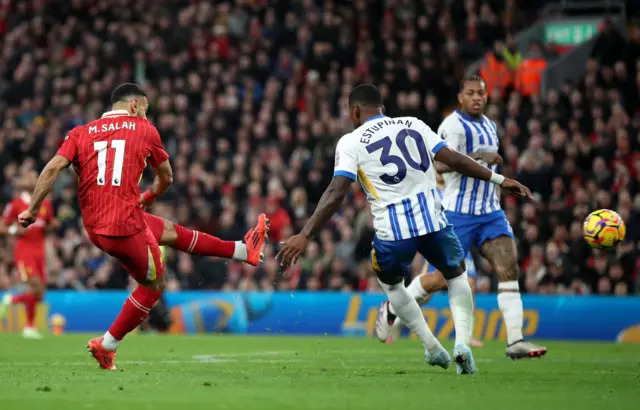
(473, 324)
(510, 304)
(461, 304)
(416, 290)
(407, 309)
(240, 252)
(109, 342)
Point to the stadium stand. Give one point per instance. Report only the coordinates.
(249, 99)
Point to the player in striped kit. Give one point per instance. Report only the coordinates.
(430, 278)
(392, 158)
(472, 206)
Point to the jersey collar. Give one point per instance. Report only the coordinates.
(375, 117)
(116, 113)
(467, 117)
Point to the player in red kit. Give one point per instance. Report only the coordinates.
(109, 156)
(28, 251)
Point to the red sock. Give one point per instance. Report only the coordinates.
(30, 302)
(135, 310)
(199, 243)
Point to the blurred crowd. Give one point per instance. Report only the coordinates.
(249, 98)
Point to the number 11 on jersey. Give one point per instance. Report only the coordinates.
(118, 161)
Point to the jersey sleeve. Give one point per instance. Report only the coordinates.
(10, 213)
(433, 141)
(157, 153)
(69, 147)
(346, 164)
(451, 132)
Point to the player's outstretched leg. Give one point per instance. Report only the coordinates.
(198, 243)
(30, 300)
(502, 254)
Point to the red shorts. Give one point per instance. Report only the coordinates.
(155, 224)
(31, 266)
(139, 253)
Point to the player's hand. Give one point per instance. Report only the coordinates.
(516, 188)
(291, 249)
(491, 158)
(146, 200)
(26, 218)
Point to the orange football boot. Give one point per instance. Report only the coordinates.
(103, 356)
(255, 240)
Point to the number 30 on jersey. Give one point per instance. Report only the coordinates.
(401, 141)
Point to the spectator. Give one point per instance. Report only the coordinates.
(606, 49)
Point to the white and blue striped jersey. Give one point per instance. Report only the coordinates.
(463, 194)
(393, 160)
(468, 259)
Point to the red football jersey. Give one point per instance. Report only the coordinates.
(31, 244)
(109, 155)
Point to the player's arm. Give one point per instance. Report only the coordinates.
(159, 161)
(344, 175)
(466, 166)
(163, 179)
(161, 182)
(454, 136)
(491, 158)
(329, 203)
(43, 186)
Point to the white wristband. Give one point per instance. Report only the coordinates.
(496, 178)
(12, 230)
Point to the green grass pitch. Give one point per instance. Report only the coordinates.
(276, 372)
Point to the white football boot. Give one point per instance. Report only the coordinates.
(522, 349)
(31, 333)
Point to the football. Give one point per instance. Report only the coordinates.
(604, 229)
